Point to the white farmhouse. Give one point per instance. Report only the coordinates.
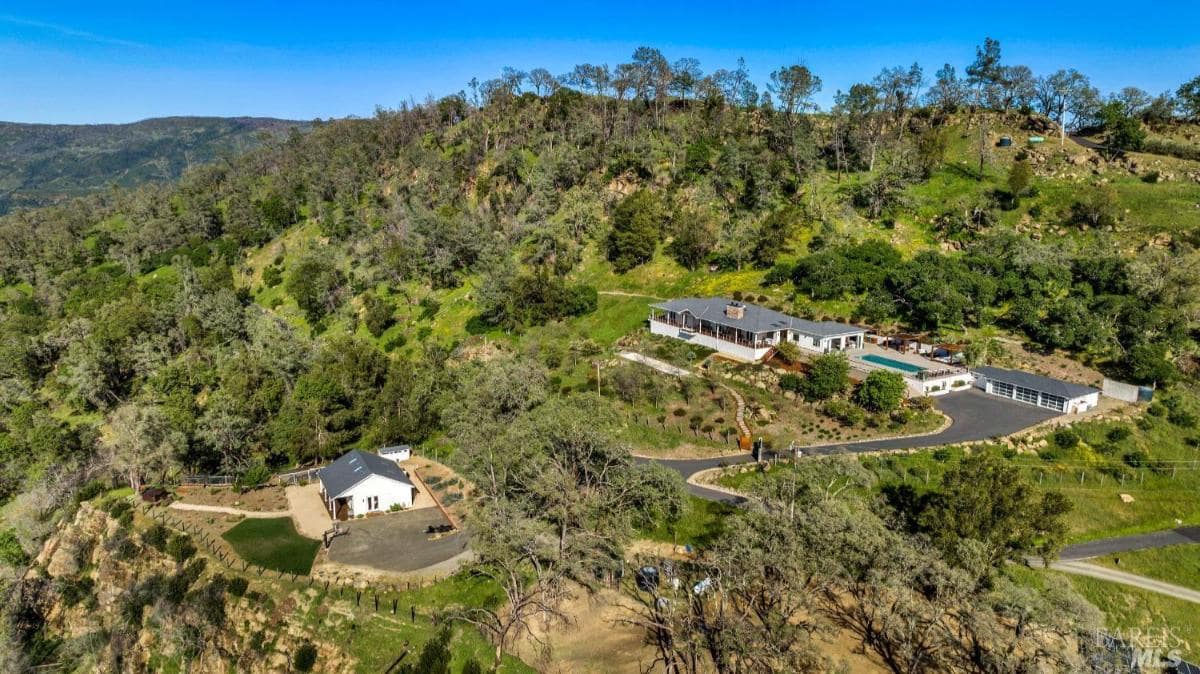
(747, 332)
(359, 483)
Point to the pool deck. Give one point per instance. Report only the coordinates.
(907, 358)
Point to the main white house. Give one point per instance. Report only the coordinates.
(745, 331)
(359, 483)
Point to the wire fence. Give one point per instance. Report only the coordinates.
(380, 594)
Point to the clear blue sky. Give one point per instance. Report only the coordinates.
(76, 62)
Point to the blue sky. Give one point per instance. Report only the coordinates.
(69, 62)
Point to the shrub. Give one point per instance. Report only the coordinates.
(1136, 459)
(72, 591)
(272, 276)
(156, 537)
(1182, 418)
(120, 546)
(1066, 438)
(1118, 433)
(881, 391)
(305, 657)
(845, 412)
(255, 476)
(237, 586)
(791, 382)
(1156, 410)
(180, 548)
(829, 376)
(924, 403)
(11, 552)
(378, 314)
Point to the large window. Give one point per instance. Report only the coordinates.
(1054, 402)
(1026, 395)
(1002, 389)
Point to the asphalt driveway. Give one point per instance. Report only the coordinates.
(974, 415)
(396, 542)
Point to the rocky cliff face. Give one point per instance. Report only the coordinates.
(109, 596)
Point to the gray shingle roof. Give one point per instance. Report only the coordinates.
(756, 319)
(1036, 382)
(354, 467)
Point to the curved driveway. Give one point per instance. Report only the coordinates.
(974, 415)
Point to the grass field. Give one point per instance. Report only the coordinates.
(273, 543)
(1137, 615)
(1178, 564)
(701, 524)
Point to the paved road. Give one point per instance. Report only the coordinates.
(974, 415)
(1132, 580)
(1109, 546)
(1085, 142)
(396, 542)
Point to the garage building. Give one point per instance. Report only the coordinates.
(1034, 389)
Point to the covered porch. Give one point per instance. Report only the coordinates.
(684, 320)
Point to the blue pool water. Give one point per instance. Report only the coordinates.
(894, 364)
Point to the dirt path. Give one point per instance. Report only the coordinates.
(253, 514)
(1129, 579)
(655, 364)
(622, 293)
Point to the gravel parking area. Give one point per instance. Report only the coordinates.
(396, 542)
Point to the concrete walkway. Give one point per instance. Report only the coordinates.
(308, 512)
(1129, 579)
(253, 514)
(654, 363)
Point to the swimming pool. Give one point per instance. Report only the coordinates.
(894, 364)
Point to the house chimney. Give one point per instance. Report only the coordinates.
(735, 310)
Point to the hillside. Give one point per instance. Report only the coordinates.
(46, 163)
(463, 276)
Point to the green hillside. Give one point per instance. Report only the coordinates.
(462, 274)
(46, 163)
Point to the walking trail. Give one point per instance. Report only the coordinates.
(253, 514)
(739, 416)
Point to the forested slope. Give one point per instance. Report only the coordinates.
(45, 163)
(336, 288)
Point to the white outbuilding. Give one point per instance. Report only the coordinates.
(359, 483)
(1034, 389)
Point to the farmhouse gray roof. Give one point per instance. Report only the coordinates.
(1037, 382)
(756, 319)
(355, 466)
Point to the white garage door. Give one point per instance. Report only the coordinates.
(1002, 389)
(1026, 395)
(1054, 402)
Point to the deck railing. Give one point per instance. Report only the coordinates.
(713, 333)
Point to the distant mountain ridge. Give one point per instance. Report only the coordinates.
(44, 163)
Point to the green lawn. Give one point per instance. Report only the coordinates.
(1178, 564)
(273, 544)
(700, 525)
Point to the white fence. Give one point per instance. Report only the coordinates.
(298, 476)
(1130, 393)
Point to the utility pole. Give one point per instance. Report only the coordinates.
(597, 379)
